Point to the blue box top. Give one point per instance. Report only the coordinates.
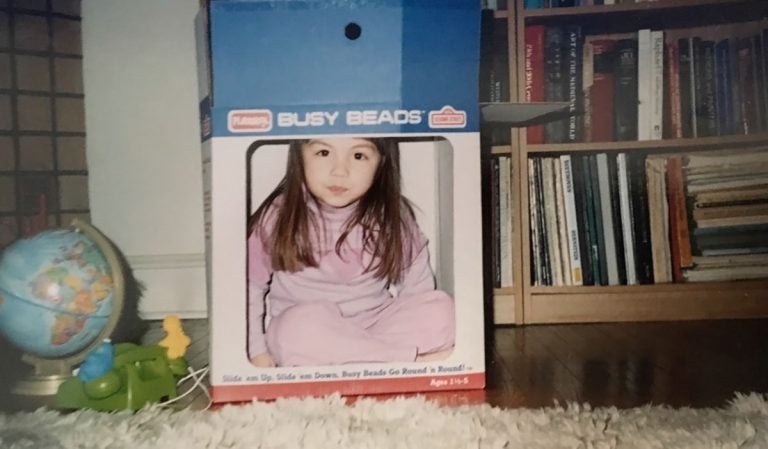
(324, 56)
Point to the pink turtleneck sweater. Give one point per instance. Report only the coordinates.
(339, 278)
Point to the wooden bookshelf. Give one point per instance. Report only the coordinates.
(524, 303)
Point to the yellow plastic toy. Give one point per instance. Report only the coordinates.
(175, 341)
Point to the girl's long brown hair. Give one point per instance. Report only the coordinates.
(383, 212)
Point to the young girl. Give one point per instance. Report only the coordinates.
(327, 244)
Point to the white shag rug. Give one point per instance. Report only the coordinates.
(397, 423)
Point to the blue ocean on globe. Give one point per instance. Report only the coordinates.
(56, 291)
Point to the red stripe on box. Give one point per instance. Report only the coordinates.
(240, 393)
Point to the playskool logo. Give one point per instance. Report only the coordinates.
(249, 120)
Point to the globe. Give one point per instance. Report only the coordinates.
(60, 295)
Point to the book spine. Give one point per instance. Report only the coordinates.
(627, 222)
(535, 233)
(639, 199)
(757, 67)
(658, 218)
(644, 84)
(723, 88)
(657, 84)
(573, 61)
(747, 85)
(572, 225)
(505, 215)
(585, 244)
(687, 99)
(562, 229)
(546, 262)
(675, 127)
(534, 76)
(603, 179)
(496, 221)
(550, 213)
(601, 93)
(618, 236)
(625, 105)
(555, 81)
(704, 66)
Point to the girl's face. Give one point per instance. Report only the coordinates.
(339, 170)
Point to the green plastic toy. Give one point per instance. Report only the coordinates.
(140, 375)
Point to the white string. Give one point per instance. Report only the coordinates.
(199, 377)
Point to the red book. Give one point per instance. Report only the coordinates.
(534, 75)
(673, 112)
(601, 94)
(679, 234)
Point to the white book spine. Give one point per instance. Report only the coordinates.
(657, 83)
(505, 226)
(603, 177)
(626, 219)
(550, 216)
(572, 225)
(565, 259)
(644, 87)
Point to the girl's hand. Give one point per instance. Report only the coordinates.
(263, 360)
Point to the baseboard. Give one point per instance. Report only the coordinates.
(174, 284)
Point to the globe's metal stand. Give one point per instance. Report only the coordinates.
(39, 387)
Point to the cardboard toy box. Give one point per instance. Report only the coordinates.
(273, 71)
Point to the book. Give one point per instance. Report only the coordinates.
(679, 230)
(601, 92)
(658, 219)
(572, 67)
(704, 91)
(625, 81)
(657, 85)
(613, 181)
(687, 86)
(582, 218)
(609, 239)
(638, 197)
(724, 87)
(505, 216)
(673, 122)
(572, 223)
(562, 227)
(627, 222)
(534, 76)
(535, 233)
(644, 84)
(550, 215)
(555, 81)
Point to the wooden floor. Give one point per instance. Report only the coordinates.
(698, 363)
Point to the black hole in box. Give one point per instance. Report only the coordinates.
(352, 31)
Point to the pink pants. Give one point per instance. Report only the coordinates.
(318, 334)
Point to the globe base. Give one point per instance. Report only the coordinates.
(38, 385)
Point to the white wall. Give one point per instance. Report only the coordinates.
(143, 147)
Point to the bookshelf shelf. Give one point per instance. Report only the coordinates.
(648, 289)
(648, 302)
(665, 144)
(525, 302)
(573, 13)
(501, 149)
